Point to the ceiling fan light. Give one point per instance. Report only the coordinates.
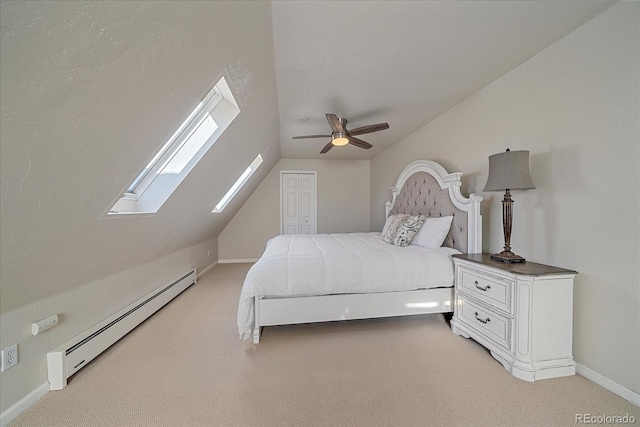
(339, 140)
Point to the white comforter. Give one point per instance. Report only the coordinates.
(322, 264)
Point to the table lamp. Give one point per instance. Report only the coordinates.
(508, 171)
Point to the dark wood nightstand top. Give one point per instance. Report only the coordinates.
(524, 268)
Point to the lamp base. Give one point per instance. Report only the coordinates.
(507, 257)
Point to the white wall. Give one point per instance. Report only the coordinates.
(80, 308)
(343, 206)
(90, 91)
(576, 107)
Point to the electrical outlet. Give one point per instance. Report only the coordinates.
(9, 357)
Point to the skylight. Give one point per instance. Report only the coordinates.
(194, 142)
(238, 184)
(179, 155)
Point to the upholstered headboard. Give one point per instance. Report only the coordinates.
(425, 188)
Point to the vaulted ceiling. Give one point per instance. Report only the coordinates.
(400, 62)
(91, 90)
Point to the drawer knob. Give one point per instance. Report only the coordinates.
(482, 320)
(480, 287)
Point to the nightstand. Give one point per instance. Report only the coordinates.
(522, 313)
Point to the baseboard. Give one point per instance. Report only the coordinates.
(605, 382)
(21, 405)
(203, 272)
(237, 261)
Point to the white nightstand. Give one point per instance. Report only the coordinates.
(522, 313)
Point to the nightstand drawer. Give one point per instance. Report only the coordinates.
(494, 326)
(496, 292)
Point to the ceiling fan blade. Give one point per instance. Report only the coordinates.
(369, 129)
(359, 143)
(335, 123)
(327, 147)
(311, 136)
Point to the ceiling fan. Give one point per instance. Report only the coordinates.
(341, 136)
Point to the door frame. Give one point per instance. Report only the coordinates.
(315, 191)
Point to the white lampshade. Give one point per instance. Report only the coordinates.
(509, 171)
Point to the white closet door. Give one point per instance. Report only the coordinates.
(290, 203)
(298, 203)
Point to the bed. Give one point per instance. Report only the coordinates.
(333, 277)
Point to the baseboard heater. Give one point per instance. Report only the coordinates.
(73, 355)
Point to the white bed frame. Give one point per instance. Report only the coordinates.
(271, 311)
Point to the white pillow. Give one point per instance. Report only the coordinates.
(387, 224)
(433, 232)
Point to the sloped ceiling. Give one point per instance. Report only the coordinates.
(90, 91)
(401, 62)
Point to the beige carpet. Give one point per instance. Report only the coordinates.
(186, 367)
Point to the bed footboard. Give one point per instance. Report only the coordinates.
(327, 308)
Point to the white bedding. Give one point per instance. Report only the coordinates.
(323, 264)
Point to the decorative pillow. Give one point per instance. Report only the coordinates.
(391, 229)
(433, 232)
(387, 224)
(402, 229)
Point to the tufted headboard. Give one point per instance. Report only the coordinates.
(425, 188)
